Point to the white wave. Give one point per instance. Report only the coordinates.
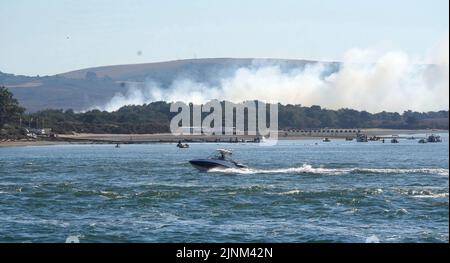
(306, 168)
(401, 211)
(292, 192)
(438, 171)
(423, 193)
(441, 195)
(379, 191)
(110, 194)
(373, 239)
(73, 239)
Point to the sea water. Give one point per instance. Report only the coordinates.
(296, 191)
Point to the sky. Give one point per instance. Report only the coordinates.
(47, 37)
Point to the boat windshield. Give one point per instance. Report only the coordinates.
(221, 155)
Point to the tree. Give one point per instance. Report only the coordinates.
(10, 110)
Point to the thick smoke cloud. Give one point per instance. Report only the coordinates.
(391, 81)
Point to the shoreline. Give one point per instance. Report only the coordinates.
(89, 138)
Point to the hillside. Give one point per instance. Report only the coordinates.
(157, 70)
(84, 88)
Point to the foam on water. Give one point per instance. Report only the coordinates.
(308, 169)
(73, 239)
(292, 192)
(423, 193)
(373, 239)
(441, 195)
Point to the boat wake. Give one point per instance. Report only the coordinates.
(308, 169)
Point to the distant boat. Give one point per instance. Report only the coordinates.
(422, 141)
(361, 138)
(326, 140)
(180, 145)
(220, 160)
(434, 138)
(374, 138)
(394, 139)
(117, 145)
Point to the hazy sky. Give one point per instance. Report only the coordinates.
(48, 37)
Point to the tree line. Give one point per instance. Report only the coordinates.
(155, 118)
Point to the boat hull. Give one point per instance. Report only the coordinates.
(208, 164)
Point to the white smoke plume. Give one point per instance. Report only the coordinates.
(392, 81)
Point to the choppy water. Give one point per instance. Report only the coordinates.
(296, 191)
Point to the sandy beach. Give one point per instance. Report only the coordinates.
(91, 138)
